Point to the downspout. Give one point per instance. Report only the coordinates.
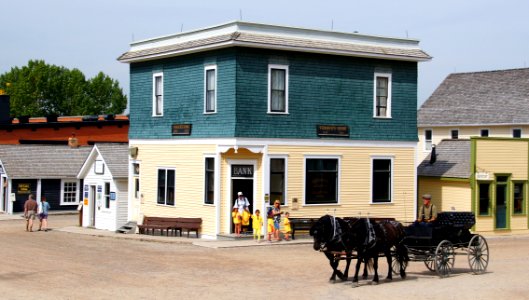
(216, 197)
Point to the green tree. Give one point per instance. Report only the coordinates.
(39, 89)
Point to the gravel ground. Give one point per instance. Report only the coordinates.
(60, 265)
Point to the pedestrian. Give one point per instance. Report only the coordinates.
(30, 210)
(287, 228)
(241, 203)
(276, 212)
(270, 223)
(257, 224)
(44, 208)
(236, 221)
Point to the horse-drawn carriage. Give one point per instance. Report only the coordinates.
(435, 243)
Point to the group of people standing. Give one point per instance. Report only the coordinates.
(241, 216)
(32, 210)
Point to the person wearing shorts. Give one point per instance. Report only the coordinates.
(43, 215)
(30, 211)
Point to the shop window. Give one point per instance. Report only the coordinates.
(518, 198)
(484, 199)
(277, 180)
(321, 181)
(209, 194)
(107, 195)
(381, 181)
(69, 192)
(166, 187)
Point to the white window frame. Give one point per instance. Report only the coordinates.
(106, 194)
(206, 69)
(165, 200)
(77, 183)
(392, 166)
(338, 183)
(428, 143)
(281, 67)
(388, 109)
(285, 192)
(154, 104)
(214, 179)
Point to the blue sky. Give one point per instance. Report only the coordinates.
(462, 36)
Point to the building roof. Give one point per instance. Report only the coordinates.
(480, 98)
(116, 157)
(452, 160)
(42, 161)
(256, 35)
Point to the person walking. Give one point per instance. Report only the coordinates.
(30, 210)
(43, 215)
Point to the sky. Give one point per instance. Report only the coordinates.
(461, 36)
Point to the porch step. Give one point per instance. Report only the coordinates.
(128, 228)
(233, 237)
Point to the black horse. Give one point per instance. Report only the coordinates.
(331, 236)
(370, 238)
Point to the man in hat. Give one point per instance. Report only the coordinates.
(428, 211)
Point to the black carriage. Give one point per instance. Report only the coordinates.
(437, 243)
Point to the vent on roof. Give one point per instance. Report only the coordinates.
(433, 155)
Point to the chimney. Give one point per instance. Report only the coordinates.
(433, 155)
(4, 109)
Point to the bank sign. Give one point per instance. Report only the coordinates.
(242, 171)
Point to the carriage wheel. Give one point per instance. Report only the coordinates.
(430, 264)
(478, 254)
(444, 258)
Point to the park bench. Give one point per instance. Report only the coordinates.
(301, 224)
(189, 225)
(152, 224)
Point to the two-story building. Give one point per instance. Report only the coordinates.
(479, 124)
(323, 121)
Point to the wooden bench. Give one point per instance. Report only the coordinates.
(189, 224)
(301, 224)
(151, 224)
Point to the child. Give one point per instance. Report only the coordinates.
(288, 229)
(236, 221)
(270, 223)
(257, 224)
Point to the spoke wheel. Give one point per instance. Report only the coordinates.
(478, 254)
(430, 264)
(444, 258)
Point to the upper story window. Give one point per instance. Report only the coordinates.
(454, 133)
(428, 139)
(516, 133)
(277, 89)
(157, 94)
(484, 132)
(210, 89)
(382, 103)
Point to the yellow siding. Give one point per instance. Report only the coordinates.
(446, 195)
(509, 157)
(188, 161)
(355, 181)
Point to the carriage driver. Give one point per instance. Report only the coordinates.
(428, 211)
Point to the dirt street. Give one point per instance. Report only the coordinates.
(60, 265)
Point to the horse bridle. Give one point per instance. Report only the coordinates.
(335, 236)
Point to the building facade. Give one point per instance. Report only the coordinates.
(323, 121)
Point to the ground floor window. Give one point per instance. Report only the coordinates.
(107, 194)
(277, 180)
(166, 186)
(484, 199)
(321, 180)
(381, 180)
(69, 192)
(518, 197)
(209, 194)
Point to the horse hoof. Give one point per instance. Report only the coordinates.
(355, 284)
(364, 277)
(374, 282)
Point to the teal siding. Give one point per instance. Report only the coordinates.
(323, 89)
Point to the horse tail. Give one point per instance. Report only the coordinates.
(368, 261)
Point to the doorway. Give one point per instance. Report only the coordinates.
(92, 210)
(501, 202)
(246, 187)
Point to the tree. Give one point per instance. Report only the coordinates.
(39, 89)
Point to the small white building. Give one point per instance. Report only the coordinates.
(105, 193)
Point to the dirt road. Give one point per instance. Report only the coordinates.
(59, 265)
